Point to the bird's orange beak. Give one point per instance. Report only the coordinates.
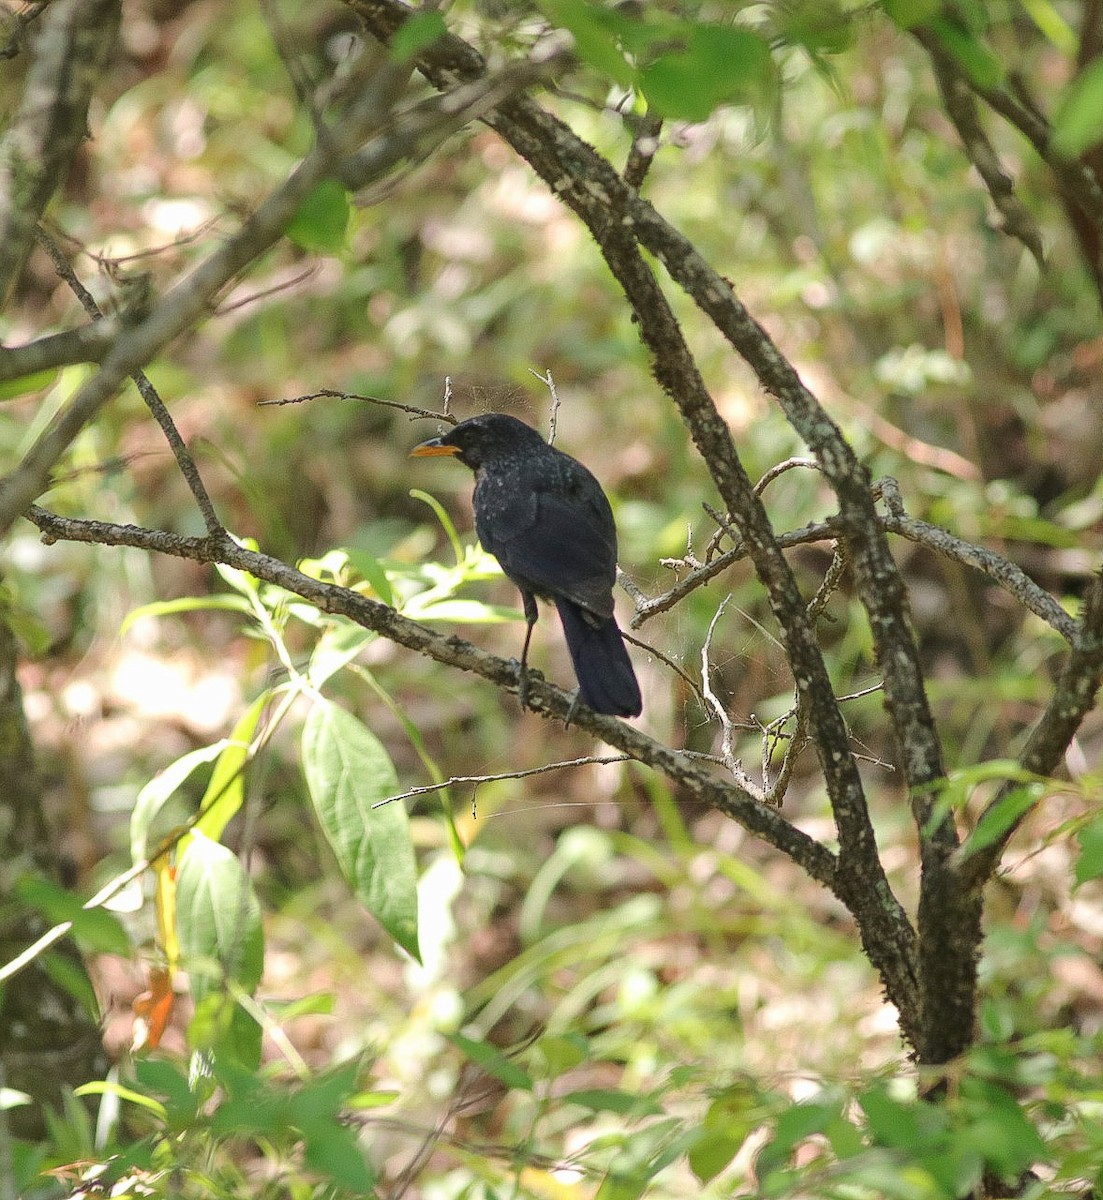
(433, 448)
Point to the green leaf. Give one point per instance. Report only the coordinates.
(322, 219)
(415, 33)
(153, 797)
(164, 608)
(370, 568)
(910, 13)
(594, 30)
(469, 612)
(225, 792)
(978, 60)
(332, 1150)
(1052, 25)
(347, 772)
(794, 1124)
(27, 383)
(1090, 863)
(339, 644)
(1078, 118)
(711, 1153)
(493, 1062)
(719, 64)
(159, 1075)
(1000, 1131)
(95, 928)
(69, 975)
(218, 918)
(225, 1031)
(903, 1125)
(1001, 817)
(612, 1100)
(103, 1087)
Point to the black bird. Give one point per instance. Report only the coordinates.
(545, 518)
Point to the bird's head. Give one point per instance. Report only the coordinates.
(482, 440)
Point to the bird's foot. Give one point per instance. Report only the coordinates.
(522, 682)
(576, 696)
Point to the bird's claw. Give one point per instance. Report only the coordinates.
(522, 673)
(576, 697)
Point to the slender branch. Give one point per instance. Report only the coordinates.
(1000, 570)
(960, 103)
(727, 748)
(550, 701)
(330, 393)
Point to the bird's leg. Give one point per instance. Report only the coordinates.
(576, 697)
(531, 613)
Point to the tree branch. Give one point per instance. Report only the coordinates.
(87, 344)
(550, 701)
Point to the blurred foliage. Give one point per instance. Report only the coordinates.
(617, 993)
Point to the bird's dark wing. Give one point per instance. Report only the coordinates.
(553, 543)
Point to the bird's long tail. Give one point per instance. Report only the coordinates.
(606, 679)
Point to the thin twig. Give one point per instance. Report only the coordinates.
(547, 380)
(456, 780)
(333, 394)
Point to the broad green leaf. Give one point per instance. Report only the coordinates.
(999, 1129)
(322, 219)
(160, 1075)
(1078, 119)
(493, 1062)
(223, 1030)
(904, 1125)
(152, 798)
(217, 918)
(347, 772)
(70, 976)
(415, 33)
(1001, 817)
(332, 1150)
(719, 64)
(95, 928)
(711, 1152)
